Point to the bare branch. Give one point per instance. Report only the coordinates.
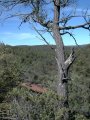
(50, 33)
(72, 16)
(26, 17)
(47, 24)
(71, 36)
(70, 59)
(43, 38)
(75, 27)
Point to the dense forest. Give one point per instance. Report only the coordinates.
(36, 64)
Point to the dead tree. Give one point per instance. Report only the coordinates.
(57, 25)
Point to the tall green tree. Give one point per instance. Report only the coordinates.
(49, 15)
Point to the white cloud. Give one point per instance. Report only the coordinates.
(23, 36)
(17, 36)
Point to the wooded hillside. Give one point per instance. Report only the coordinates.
(36, 64)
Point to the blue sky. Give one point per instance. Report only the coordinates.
(12, 35)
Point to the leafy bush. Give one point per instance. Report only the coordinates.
(9, 72)
(31, 106)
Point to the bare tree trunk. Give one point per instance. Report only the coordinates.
(63, 66)
(61, 88)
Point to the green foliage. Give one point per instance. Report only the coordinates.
(80, 117)
(37, 65)
(28, 105)
(9, 73)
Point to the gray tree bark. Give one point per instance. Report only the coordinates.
(63, 66)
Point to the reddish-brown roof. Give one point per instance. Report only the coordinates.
(34, 87)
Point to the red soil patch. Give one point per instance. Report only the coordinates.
(34, 87)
